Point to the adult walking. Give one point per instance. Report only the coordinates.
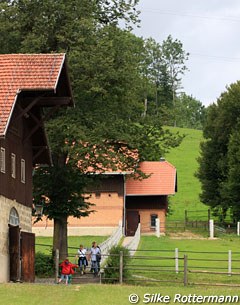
(95, 253)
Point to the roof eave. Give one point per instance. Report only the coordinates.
(10, 115)
(64, 62)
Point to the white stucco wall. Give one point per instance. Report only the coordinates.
(25, 218)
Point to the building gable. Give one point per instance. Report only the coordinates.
(162, 180)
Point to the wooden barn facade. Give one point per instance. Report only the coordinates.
(28, 82)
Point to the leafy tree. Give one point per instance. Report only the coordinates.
(105, 68)
(190, 113)
(230, 193)
(217, 163)
(174, 58)
(164, 65)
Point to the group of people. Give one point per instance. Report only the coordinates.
(84, 256)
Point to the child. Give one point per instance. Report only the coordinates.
(67, 270)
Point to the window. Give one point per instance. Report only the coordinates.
(23, 171)
(13, 165)
(13, 217)
(153, 220)
(2, 160)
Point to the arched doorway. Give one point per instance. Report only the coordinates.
(14, 245)
(13, 217)
(21, 250)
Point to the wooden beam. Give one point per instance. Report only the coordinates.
(29, 107)
(40, 122)
(41, 150)
(49, 101)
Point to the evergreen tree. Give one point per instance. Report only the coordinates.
(219, 156)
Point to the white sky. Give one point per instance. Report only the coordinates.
(209, 31)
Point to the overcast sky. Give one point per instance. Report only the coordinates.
(209, 31)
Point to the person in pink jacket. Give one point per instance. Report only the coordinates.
(67, 270)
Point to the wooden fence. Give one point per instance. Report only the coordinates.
(159, 267)
(179, 267)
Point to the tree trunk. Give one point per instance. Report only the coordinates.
(60, 237)
(145, 107)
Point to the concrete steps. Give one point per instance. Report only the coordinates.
(87, 278)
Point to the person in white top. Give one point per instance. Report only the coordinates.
(95, 255)
(82, 260)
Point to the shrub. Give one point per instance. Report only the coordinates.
(112, 269)
(44, 265)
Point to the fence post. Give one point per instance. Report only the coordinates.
(176, 260)
(56, 265)
(157, 222)
(238, 228)
(209, 215)
(121, 267)
(229, 262)
(185, 270)
(185, 219)
(211, 228)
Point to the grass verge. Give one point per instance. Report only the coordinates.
(26, 294)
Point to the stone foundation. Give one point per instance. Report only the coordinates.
(25, 219)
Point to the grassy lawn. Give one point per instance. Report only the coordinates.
(156, 256)
(184, 158)
(24, 294)
(44, 244)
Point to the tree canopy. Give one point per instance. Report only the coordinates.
(219, 161)
(112, 73)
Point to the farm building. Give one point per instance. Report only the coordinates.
(28, 82)
(120, 198)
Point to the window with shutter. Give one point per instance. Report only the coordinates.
(23, 171)
(13, 165)
(2, 160)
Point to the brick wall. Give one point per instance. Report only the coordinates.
(145, 219)
(108, 211)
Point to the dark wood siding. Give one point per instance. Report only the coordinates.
(14, 253)
(28, 256)
(108, 184)
(13, 188)
(146, 202)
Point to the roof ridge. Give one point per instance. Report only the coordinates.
(32, 54)
(160, 162)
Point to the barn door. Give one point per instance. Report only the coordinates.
(27, 256)
(14, 253)
(132, 221)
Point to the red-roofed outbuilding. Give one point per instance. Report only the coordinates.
(147, 199)
(28, 83)
(121, 198)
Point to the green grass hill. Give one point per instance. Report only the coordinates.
(184, 158)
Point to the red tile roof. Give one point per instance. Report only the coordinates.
(161, 182)
(19, 72)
